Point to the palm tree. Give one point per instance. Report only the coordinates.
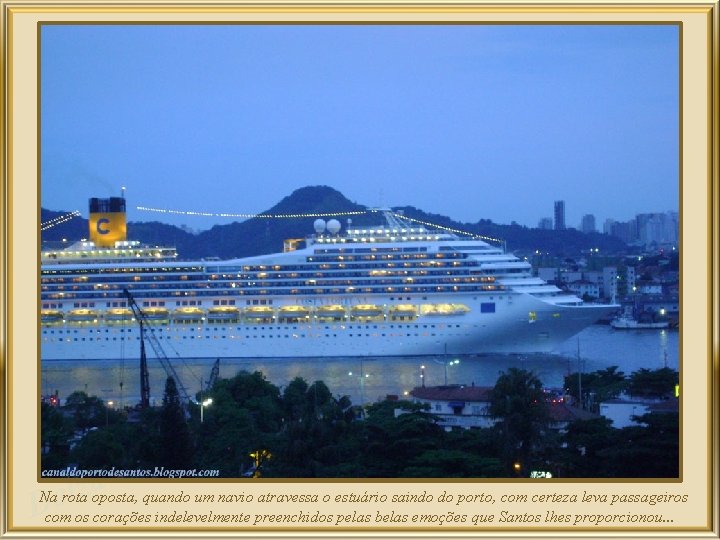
(518, 401)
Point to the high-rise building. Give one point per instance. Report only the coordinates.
(545, 223)
(625, 231)
(646, 229)
(559, 215)
(610, 278)
(588, 224)
(630, 280)
(657, 228)
(608, 226)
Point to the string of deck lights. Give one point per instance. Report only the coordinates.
(58, 220)
(250, 216)
(309, 215)
(449, 229)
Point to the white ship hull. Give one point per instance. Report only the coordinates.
(507, 330)
(395, 290)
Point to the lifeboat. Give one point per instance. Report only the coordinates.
(403, 310)
(223, 313)
(259, 312)
(49, 316)
(333, 312)
(460, 309)
(188, 314)
(293, 312)
(366, 310)
(82, 315)
(156, 313)
(118, 315)
(438, 310)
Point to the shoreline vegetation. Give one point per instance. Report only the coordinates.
(252, 427)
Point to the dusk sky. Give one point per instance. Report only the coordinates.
(473, 122)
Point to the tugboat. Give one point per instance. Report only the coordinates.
(627, 321)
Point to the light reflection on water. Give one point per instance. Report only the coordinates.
(600, 347)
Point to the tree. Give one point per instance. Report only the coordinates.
(449, 463)
(226, 438)
(55, 433)
(585, 442)
(657, 383)
(605, 384)
(99, 448)
(518, 401)
(295, 400)
(393, 442)
(251, 391)
(318, 437)
(176, 448)
(141, 438)
(246, 415)
(87, 411)
(649, 450)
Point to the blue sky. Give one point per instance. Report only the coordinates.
(471, 121)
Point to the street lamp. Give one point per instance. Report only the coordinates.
(259, 457)
(450, 363)
(445, 361)
(107, 407)
(362, 378)
(204, 404)
(422, 376)
(446, 364)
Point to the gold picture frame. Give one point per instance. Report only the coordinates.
(28, 502)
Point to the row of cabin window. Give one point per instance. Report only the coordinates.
(457, 288)
(263, 328)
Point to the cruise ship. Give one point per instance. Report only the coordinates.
(397, 289)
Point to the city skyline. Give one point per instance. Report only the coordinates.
(472, 122)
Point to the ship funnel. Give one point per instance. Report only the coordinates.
(107, 221)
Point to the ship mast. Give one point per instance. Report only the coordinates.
(393, 219)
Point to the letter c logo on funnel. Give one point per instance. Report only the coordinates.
(100, 222)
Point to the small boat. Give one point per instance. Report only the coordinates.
(82, 315)
(366, 310)
(49, 316)
(156, 313)
(624, 322)
(223, 313)
(405, 309)
(330, 309)
(118, 315)
(330, 312)
(293, 312)
(459, 309)
(259, 312)
(402, 312)
(188, 314)
(437, 310)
